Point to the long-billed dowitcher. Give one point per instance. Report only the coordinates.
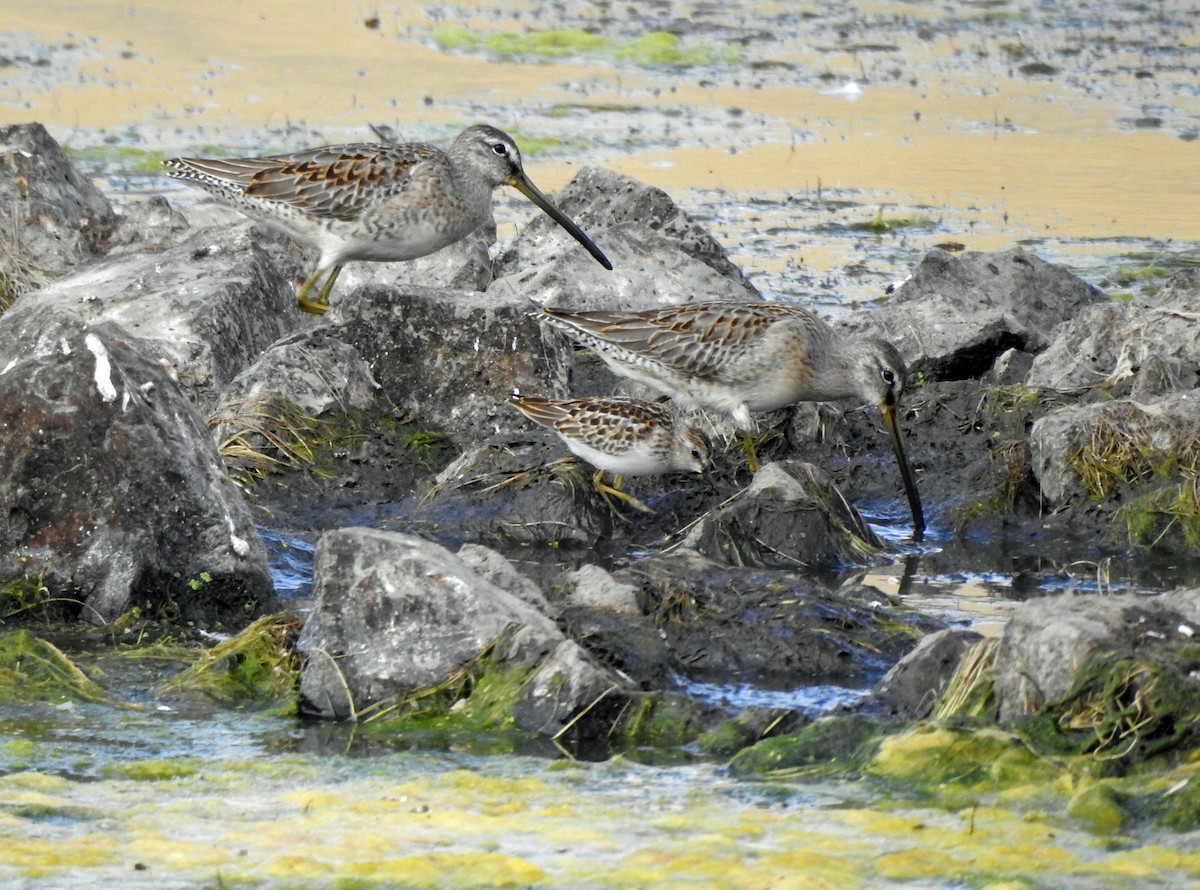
(371, 201)
(626, 437)
(743, 357)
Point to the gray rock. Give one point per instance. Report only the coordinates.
(570, 683)
(52, 220)
(1110, 442)
(508, 492)
(772, 628)
(593, 587)
(452, 357)
(309, 371)
(492, 566)
(112, 484)
(1047, 641)
(394, 613)
(1125, 348)
(911, 688)
(206, 308)
(149, 224)
(790, 516)
(955, 315)
(660, 256)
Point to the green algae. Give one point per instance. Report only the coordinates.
(829, 745)
(1098, 806)
(153, 770)
(258, 665)
(1124, 709)
(654, 50)
(656, 720)
(32, 669)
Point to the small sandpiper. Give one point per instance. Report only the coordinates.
(625, 437)
(372, 201)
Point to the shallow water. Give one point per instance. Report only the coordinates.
(947, 138)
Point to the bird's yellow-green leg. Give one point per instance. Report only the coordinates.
(751, 455)
(614, 491)
(320, 304)
(327, 287)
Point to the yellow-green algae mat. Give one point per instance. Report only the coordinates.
(425, 820)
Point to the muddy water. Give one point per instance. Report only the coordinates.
(824, 120)
(819, 119)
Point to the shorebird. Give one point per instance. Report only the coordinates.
(625, 437)
(374, 201)
(742, 357)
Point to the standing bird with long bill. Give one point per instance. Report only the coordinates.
(374, 201)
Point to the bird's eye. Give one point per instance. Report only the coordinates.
(500, 148)
(698, 454)
(889, 377)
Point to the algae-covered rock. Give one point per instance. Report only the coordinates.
(1098, 807)
(395, 614)
(747, 727)
(835, 743)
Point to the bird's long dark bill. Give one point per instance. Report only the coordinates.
(530, 191)
(910, 482)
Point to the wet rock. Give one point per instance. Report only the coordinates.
(394, 613)
(629, 643)
(113, 486)
(52, 220)
(206, 308)
(956, 314)
(748, 727)
(1127, 349)
(492, 566)
(595, 588)
(452, 357)
(660, 256)
(571, 684)
(513, 492)
(771, 628)
(1048, 641)
(1099, 449)
(913, 685)
(790, 516)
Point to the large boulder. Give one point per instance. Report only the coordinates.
(395, 613)
(955, 315)
(52, 220)
(660, 255)
(1048, 642)
(113, 487)
(452, 357)
(205, 308)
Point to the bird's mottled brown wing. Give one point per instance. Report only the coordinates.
(334, 182)
(698, 340)
(546, 412)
